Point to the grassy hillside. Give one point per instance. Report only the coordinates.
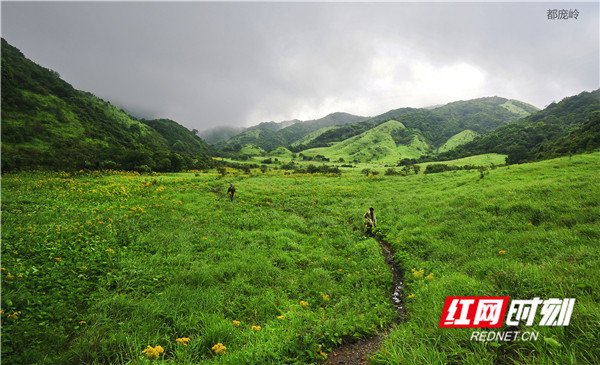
(252, 150)
(519, 108)
(280, 152)
(97, 267)
(486, 160)
(311, 136)
(457, 140)
(47, 123)
(386, 143)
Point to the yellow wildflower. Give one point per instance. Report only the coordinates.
(84, 267)
(429, 277)
(153, 352)
(411, 296)
(321, 351)
(418, 274)
(236, 323)
(325, 297)
(10, 277)
(325, 258)
(184, 341)
(303, 303)
(110, 250)
(256, 328)
(502, 252)
(219, 349)
(82, 322)
(58, 259)
(281, 317)
(15, 315)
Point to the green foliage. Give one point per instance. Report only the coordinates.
(437, 125)
(551, 132)
(178, 137)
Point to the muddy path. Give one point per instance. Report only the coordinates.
(358, 352)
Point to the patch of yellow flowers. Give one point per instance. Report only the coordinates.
(153, 352)
(418, 274)
(184, 340)
(219, 349)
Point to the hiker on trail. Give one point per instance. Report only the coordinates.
(370, 221)
(231, 191)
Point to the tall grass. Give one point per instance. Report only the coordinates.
(99, 266)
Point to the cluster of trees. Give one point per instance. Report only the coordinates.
(316, 158)
(438, 167)
(405, 171)
(311, 169)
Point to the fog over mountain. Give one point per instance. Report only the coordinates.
(209, 64)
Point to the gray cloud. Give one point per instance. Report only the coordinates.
(210, 64)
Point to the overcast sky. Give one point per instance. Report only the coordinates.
(212, 64)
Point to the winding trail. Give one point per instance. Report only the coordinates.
(357, 352)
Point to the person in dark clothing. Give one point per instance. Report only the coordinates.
(231, 191)
(370, 221)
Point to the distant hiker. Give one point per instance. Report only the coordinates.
(370, 221)
(231, 191)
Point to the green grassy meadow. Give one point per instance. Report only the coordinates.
(98, 266)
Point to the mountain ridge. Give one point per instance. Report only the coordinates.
(46, 123)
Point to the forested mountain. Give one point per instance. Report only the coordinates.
(179, 138)
(268, 137)
(439, 124)
(569, 126)
(47, 123)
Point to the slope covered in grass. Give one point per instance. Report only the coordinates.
(457, 140)
(388, 142)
